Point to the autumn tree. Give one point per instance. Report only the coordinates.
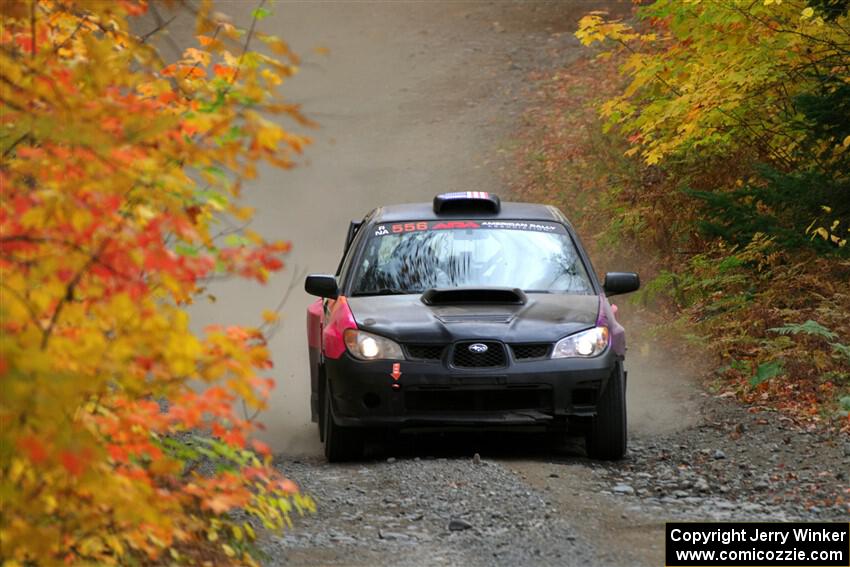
(734, 118)
(764, 85)
(121, 174)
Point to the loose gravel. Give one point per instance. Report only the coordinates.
(736, 465)
(531, 502)
(425, 511)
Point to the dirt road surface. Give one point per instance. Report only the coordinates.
(413, 99)
(417, 98)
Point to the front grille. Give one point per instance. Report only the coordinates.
(512, 399)
(527, 351)
(493, 357)
(426, 352)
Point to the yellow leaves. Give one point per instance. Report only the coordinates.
(80, 218)
(50, 503)
(35, 217)
(182, 348)
(593, 27)
(280, 47)
(198, 56)
(589, 29)
(269, 136)
(17, 470)
(831, 234)
(116, 226)
(271, 77)
(637, 83)
(653, 156)
(115, 545)
(244, 214)
(807, 13)
(249, 530)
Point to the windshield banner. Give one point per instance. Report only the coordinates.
(423, 226)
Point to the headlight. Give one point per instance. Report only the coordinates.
(584, 344)
(367, 346)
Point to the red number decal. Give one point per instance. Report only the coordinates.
(409, 227)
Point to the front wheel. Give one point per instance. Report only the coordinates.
(607, 437)
(321, 404)
(341, 443)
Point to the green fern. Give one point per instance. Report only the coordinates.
(841, 349)
(809, 327)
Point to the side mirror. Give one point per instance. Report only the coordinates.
(321, 286)
(621, 282)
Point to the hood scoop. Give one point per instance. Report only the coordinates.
(476, 318)
(474, 296)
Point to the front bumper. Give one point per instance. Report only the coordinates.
(431, 394)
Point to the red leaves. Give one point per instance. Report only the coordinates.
(112, 206)
(255, 263)
(224, 71)
(261, 447)
(134, 7)
(75, 462)
(33, 448)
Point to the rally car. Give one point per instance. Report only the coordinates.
(466, 312)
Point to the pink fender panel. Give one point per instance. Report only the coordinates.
(606, 318)
(340, 318)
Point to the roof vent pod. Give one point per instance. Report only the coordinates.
(467, 201)
(474, 296)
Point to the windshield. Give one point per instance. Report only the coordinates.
(415, 256)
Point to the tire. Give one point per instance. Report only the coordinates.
(607, 438)
(341, 443)
(321, 416)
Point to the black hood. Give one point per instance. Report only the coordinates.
(544, 317)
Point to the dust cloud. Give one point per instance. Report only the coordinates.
(661, 398)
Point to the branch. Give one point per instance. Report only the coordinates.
(247, 43)
(160, 24)
(32, 29)
(8, 150)
(25, 303)
(73, 34)
(69, 294)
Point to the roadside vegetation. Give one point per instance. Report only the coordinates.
(707, 145)
(124, 435)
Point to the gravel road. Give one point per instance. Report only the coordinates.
(526, 500)
(417, 98)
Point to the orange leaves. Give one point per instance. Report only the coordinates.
(224, 71)
(119, 170)
(184, 71)
(261, 447)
